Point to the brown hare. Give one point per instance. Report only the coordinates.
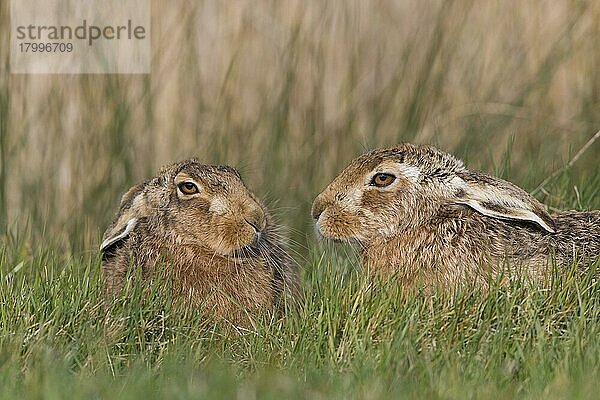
(419, 214)
(216, 240)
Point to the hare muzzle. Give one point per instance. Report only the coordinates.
(317, 208)
(257, 221)
(337, 220)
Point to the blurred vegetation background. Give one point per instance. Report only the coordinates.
(290, 91)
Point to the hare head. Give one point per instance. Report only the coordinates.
(201, 226)
(189, 203)
(387, 192)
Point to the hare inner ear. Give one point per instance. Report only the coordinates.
(502, 200)
(119, 232)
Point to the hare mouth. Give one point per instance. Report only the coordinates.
(248, 251)
(336, 237)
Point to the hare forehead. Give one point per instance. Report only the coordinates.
(217, 182)
(359, 172)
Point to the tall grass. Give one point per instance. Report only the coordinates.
(280, 87)
(352, 338)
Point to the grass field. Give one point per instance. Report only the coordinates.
(352, 339)
(289, 92)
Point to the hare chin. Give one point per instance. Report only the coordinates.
(328, 237)
(247, 250)
(250, 251)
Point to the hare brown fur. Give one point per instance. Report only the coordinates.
(419, 214)
(201, 226)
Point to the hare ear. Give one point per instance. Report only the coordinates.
(133, 207)
(117, 233)
(499, 199)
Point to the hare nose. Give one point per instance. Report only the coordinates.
(318, 208)
(253, 225)
(257, 221)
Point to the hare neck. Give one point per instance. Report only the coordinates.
(221, 282)
(423, 255)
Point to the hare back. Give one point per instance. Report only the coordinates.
(576, 237)
(577, 234)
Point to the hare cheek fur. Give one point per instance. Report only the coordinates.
(209, 232)
(442, 224)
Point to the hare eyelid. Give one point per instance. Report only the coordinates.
(187, 183)
(371, 181)
(180, 187)
(384, 172)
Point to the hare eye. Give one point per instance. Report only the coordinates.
(188, 188)
(383, 179)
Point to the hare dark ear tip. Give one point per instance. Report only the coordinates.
(550, 225)
(547, 222)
